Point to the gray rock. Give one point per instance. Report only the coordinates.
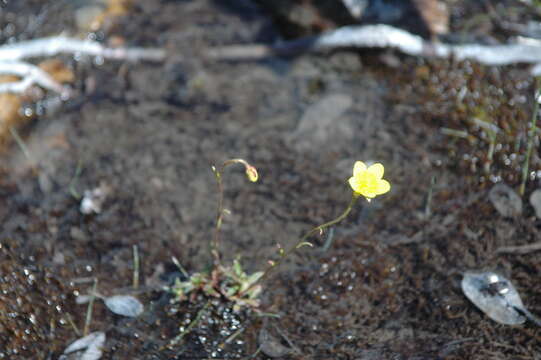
(320, 122)
(271, 346)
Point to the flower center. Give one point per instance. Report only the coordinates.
(368, 182)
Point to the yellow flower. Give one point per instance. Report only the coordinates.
(368, 182)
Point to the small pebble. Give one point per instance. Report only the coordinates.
(495, 296)
(356, 8)
(505, 200)
(535, 200)
(93, 200)
(77, 234)
(93, 343)
(271, 346)
(124, 305)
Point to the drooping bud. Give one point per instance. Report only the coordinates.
(251, 173)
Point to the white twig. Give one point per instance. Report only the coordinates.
(12, 56)
(17, 87)
(372, 36)
(60, 44)
(30, 75)
(385, 36)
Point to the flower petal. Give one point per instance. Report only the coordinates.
(376, 169)
(354, 184)
(359, 168)
(383, 186)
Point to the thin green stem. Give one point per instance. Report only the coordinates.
(190, 327)
(352, 202)
(526, 165)
(214, 247)
(302, 242)
(219, 217)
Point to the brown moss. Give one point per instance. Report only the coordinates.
(33, 304)
(481, 112)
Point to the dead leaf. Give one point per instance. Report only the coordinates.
(58, 70)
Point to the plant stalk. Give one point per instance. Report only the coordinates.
(302, 242)
(215, 243)
(525, 167)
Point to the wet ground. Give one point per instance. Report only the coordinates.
(387, 288)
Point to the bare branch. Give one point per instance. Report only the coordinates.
(60, 44)
(385, 36)
(31, 75)
(12, 56)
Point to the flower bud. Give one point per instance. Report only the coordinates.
(251, 173)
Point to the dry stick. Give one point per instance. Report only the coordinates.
(34, 165)
(180, 267)
(289, 342)
(302, 242)
(385, 36)
(456, 133)
(428, 210)
(135, 267)
(61, 44)
(73, 325)
(523, 249)
(12, 56)
(526, 165)
(88, 319)
(31, 75)
(22, 145)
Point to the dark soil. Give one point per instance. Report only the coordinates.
(387, 288)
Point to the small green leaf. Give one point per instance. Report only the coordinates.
(231, 291)
(209, 290)
(254, 292)
(254, 277)
(237, 268)
(196, 279)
